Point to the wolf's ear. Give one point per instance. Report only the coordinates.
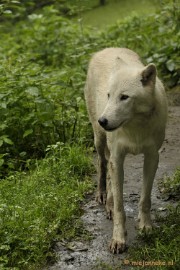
(149, 75)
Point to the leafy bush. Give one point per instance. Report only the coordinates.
(16, 10)
(43, 68)
(41, 90)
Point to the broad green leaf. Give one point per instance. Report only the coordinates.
(33, 91)
(3, 126)
(8, 141)
(7, 11)
(15, 2)
(3, 105)
(27, 132)
(1, 162)
(170, 65)
(23, 154)
(4, 247)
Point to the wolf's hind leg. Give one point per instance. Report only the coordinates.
(151, 160)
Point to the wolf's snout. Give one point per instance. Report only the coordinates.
(103, 121)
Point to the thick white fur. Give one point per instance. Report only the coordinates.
(130, 96)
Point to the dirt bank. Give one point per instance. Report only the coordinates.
(88, 255)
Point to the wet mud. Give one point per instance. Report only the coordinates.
(91, 255)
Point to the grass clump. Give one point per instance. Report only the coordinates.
(42, 206)
(171, 185)
(161, 247)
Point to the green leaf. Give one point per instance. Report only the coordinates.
(23, 154)
(3, 126)
(4, 247)
(170, 65)
(1, 162)
(33, 91)
(27, 132)
(1, 142)
(8, 141)
(3, 105)
(15, 2)
(7, 11)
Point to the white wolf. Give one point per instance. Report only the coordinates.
(127, 107)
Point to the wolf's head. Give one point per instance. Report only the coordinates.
(130, 94)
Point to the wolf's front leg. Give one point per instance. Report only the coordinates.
(100, 143)
(151, 160)
(118, 242)
(101, 190)
(109, 202)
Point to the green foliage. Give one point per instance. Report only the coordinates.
(43, 64)
(16, 10)
(6, 7)
(154, 37)
(38, 205)
(41, 88)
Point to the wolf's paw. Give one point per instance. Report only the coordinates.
(145, 223)
(109, 210)
(110, 214)
(101, 197)
(145, 229)
(117, 247)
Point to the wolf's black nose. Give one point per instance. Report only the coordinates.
(103, 121)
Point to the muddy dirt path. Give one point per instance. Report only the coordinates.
(88, 255)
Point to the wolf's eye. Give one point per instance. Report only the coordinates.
(108, 95)
(124, 97)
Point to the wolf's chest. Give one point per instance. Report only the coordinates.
(131, 141)
(132, 145)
